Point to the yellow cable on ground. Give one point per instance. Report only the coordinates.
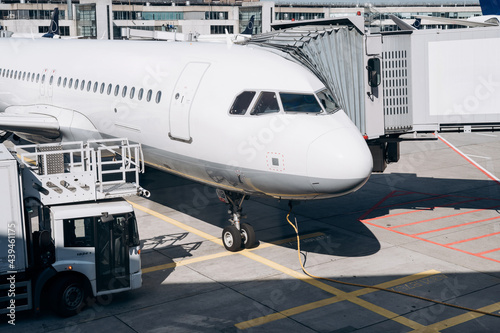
(375, 287)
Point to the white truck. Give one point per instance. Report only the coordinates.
(66, 234)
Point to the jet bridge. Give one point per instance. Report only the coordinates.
(395, 83)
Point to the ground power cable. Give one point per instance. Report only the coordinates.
(375, 287)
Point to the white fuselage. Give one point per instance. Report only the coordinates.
(183, 120)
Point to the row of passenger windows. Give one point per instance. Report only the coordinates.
(268, 102)
(89, 86)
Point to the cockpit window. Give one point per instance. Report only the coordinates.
(328, 101)
(267, 103)
(300, 103)
(242, 102)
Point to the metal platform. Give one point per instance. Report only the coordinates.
(76, 171)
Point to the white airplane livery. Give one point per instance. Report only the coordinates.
(243, 120)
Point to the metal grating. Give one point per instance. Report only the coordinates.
(396, 97)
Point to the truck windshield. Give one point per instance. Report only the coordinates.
(300, 103)
(328, 101)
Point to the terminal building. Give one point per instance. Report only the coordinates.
(104, 19)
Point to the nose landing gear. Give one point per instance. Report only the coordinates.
(238, 235)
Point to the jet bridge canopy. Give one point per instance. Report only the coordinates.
(332, 52)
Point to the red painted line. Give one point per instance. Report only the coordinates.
(474, 238)
(435, 243)
(377, 204)
(420, 210)
(480, 168)
(444, 217)
(456, 226)
(489, 251)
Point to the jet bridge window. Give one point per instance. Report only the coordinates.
(242, 102)
(300, 103)
(79, 232)
(267, 103)
(327, 100)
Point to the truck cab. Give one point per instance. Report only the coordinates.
(73, 235)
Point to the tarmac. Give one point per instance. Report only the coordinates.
(428, 226)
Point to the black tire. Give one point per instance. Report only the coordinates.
(247, 236)
(231, 238)
(68, 296)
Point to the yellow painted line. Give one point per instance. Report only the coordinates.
(195, 231)
(328, 301)
(224, 254)
(460, 319)
(300, 276)
(186, 262)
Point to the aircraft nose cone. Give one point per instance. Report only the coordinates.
(339, 162)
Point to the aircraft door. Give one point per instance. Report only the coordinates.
(182, 99)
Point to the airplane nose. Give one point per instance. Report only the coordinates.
(339, 162)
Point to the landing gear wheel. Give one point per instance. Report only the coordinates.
(247, 235)
(69, 296)
(231, 238)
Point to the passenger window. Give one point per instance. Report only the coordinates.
(59, 80)
(117, 89)
(139, 95)
(110, 87)
(132, 93)
(242, 102)
(76, 83)
(158, 97)
(300, 103)
(102, 87)
(79, 232)
(82, 86)
(24, 76)
(70, 84)
(43, 78)
(149, 95)
(96, 85)
(65, 81)
(89, 85)
(267, 103)
(124, 91)
(51, 80)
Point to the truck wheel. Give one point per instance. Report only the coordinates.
(68, 296)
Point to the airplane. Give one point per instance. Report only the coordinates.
(241, 119)
(52, 33)
(490, 18)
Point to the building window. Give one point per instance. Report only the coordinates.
(221, 29)
(216, 15)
